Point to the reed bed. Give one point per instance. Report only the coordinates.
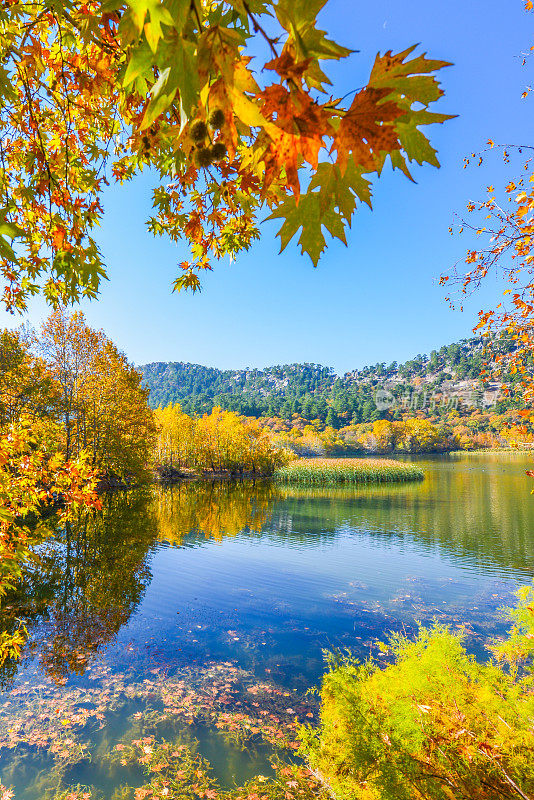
(332, 471)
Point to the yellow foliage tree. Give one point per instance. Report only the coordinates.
(217, 442)
(32, 477)
(101, 403)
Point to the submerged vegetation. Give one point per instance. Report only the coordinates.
(155, 722)
(325, 471)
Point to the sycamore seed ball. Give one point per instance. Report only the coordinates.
(203, 157)
(216, 119)
(218, 151)
(198, 131)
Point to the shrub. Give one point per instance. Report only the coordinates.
(433, 724)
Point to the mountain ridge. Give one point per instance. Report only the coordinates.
(313, 390)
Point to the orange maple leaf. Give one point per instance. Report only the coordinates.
(58, 237)
(286, 67)
(365, 130)
(300, 125)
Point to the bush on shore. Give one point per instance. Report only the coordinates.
(433, 724)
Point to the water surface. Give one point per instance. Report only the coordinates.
(228, 595)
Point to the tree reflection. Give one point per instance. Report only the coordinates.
(89, 577)
(83, 585)
(200, 510)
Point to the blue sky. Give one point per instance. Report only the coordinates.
(378, 299)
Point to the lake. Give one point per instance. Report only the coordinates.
(199, 616)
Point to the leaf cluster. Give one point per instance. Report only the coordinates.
(100, 91)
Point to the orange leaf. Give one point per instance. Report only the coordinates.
(365, 130)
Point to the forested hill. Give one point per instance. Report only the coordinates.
(314, 391)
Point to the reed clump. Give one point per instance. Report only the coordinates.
(333, 471)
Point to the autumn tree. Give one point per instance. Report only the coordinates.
(26, 387)
(102, 405)
(176, 438)
(96, 92)
(220, 441)
(31, 478)
(503, 223)
(68, 347)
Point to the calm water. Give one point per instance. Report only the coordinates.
(228, 592)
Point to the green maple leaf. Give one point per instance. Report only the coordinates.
(141, 60)
(298, 18)
(184, 72)
(158, 15)
(163, 93)
(416, 144)
(340, 191)
(311, 218)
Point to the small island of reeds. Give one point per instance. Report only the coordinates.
(329, 471)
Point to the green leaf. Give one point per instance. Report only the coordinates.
(184, 73)
(416, 144)
(6, 250)
(188, 281)
(111, 5)
(162, 97)
(158, 14)
(141, 60)
(389, 67)
(309, 217)
(298, 18)
(179, 11)
(410, 80)
(399, 162)
(340, 191)
(10, 229)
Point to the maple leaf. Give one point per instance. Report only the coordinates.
(308, 216)
(409, 78)
(298, 133)
(340, 191)
(58, 238)
(366, 130)
(286, 67)
(306, 41)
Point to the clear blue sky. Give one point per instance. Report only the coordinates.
(378, 299)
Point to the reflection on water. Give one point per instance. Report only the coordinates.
(163, 586)
(216, 510)
(84, 585)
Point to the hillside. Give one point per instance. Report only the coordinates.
(449, 376)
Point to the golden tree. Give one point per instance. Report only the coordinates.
(220, 441)
(32, 477)
(102, 405)
(25, 384)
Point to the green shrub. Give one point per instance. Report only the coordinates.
(434, 724)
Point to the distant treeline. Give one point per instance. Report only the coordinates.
(312, 391)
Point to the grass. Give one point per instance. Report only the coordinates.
(492, 450)
(332, 471)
